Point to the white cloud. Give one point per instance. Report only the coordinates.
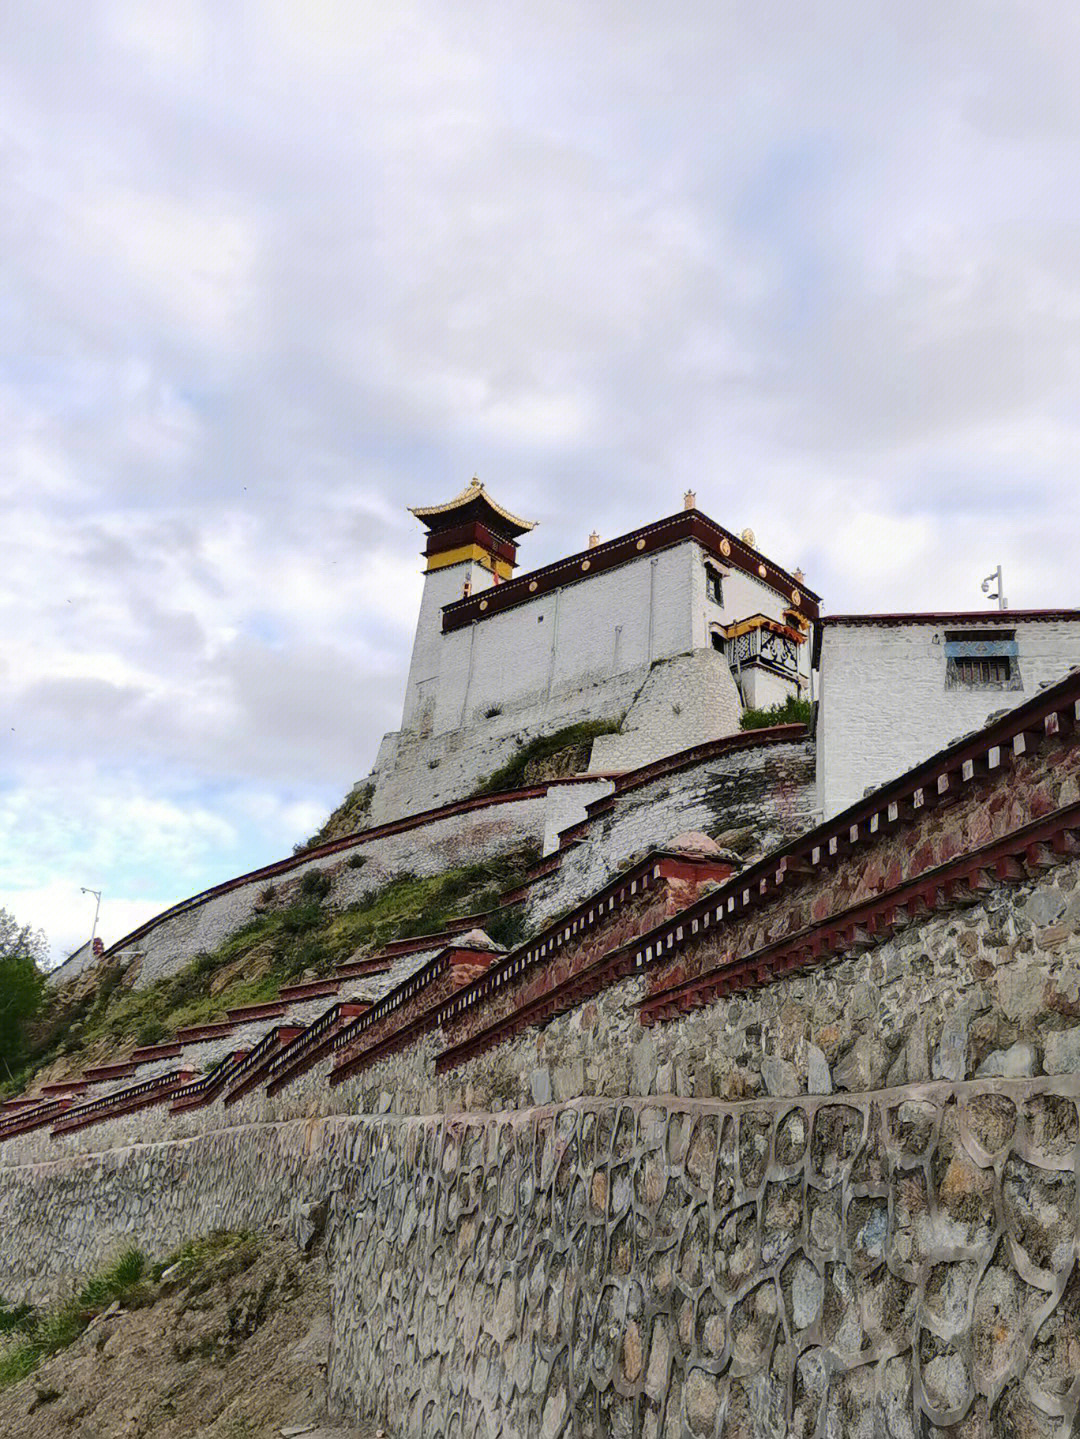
(274, 272)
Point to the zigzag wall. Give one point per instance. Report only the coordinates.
(792, 1150)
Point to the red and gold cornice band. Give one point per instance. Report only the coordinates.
(686, 525)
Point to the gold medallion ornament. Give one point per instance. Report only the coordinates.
(585, 564)
(796, 598)
(762, 571)
(532, 585)
(641, 544)
(483, 604)
(725, 547)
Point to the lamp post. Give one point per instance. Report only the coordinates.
(97, 909)
(999, 594)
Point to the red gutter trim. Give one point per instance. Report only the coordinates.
(662, 534)
(937, 617)
(334, 846)
(945, 617)
(873, 918)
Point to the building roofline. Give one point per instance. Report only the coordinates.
(938, 617)
(472, 492)
(661, 534)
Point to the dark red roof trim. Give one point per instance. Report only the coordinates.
(940, 617)
(1038, 845)
(686, 525)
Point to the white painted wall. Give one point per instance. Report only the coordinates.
(883, 705)
(583, 652)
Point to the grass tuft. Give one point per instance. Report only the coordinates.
(46, 1333)
(792, 711)
(511, 775)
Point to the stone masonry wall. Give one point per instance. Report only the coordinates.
(898, 1263)
(446, 842)
(767, 791)
(977, 991)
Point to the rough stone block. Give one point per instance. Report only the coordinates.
(1061, 1051)
(1044, 906)
(781, 1078)
(643, 1065)
(569, 1080)
(950, 1058)
(818, 1078)
(540, 1086)
(1017, 1062)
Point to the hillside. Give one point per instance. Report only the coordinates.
(296, 934)
(225, 1340)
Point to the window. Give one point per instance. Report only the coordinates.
(717, 641)
(714, 585)
(981, 673)
(982, 660)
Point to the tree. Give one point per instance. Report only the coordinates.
(22, 981)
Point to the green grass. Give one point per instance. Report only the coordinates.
(215, 1256)
(44, 1333)
(511, 775)
(792, 711)
(286, 942)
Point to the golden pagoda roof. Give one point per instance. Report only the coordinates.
(473, 493)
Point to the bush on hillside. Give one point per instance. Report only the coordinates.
(511, 775)
(792, 711)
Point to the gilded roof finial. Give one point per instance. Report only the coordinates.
(594, 540)
(689, 501)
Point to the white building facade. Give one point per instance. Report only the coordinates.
(895, 689)
(666, 632)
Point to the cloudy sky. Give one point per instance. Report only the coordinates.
(270, 272)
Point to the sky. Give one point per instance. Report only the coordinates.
(271, 272)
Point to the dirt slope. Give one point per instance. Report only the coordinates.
(230, 1345)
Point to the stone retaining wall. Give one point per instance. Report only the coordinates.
(891, 1263)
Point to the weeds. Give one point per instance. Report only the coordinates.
(277, 946)
(46, 1333)
(792, 711)
(511, 775)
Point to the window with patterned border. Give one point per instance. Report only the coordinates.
(982, 660)
(714, 585)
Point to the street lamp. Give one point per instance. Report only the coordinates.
(999, 593)
(97, 908)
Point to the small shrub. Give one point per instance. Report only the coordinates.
(356, 861)
(299, 918)
(15, 1318)
(507, 927)
(315, 884)
(511, 775)
(267, 894)
(150, 1032)
(792, 711)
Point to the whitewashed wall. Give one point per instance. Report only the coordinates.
(583, 652)
(883, 705)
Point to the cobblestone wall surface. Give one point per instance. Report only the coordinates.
(767, 794)
(982, 991)
(898, 1263)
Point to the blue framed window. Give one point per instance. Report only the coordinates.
(982, 660)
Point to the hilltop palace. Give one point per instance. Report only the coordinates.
(644, 1074)
(668, 634)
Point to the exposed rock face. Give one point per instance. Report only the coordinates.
(900, 1259)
